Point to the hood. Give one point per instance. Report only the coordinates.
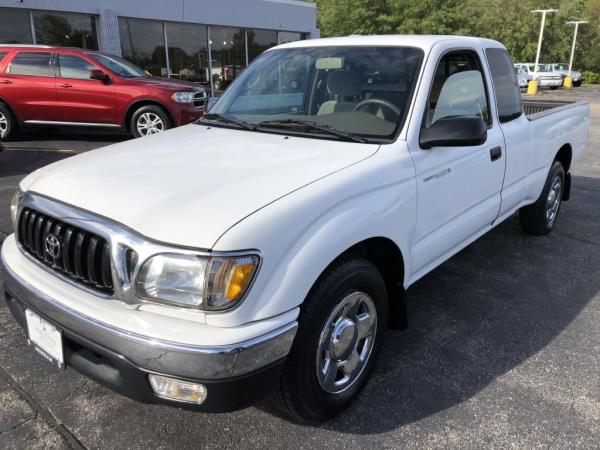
(189, 185)
(167, 83)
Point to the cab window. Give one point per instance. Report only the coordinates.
(458, 89)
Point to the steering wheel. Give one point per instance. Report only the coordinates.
(379, 102)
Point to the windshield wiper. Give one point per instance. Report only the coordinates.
(230, 119)
(306, 125)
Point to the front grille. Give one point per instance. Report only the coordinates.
(75, 253)
(200, 99)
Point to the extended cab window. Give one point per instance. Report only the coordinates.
(72, 66)
(458, 89)
(506, 84)
(32, 63)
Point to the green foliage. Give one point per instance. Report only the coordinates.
(508, 21)
(590, 77)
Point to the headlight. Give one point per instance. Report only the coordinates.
(14, 206)
(183, 97)
(210, 284)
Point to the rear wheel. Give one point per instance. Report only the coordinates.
(341, 328)
(8, 124)
(150, 119)
(539, 218)
(577, 83)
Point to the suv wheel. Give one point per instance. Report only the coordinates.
(149, 120)
(341, 327)
(8, 124)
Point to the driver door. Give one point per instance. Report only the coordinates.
(458, 187)
(81, 99)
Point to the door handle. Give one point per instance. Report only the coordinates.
(5, 82)
(495, 153)
(65, 85)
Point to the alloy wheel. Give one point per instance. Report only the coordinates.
(3, 125)
(553, 201)
(149, 123)
(346, 342)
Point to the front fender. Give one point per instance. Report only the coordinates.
(302, 233)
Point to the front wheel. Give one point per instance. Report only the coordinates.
(577, 83)
(540, 217)
(341, 327)
(148, 120)
(554, 87)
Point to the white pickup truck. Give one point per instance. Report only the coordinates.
(268, 246)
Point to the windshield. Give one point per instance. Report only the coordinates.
(118, 65)
(364, 91)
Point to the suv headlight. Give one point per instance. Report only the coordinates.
(190, 281)
(183, 97)
(14, 206)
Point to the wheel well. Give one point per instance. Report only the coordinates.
(565, 155)
(387, 257)
(5, 103)
(134, 106)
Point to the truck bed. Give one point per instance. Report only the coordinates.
(535, 109)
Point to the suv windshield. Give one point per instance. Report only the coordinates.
(364, 91)
(118, 65)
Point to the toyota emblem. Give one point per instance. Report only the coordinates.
(52, 246)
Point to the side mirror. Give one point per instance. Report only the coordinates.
(455, 131)
(99, 75)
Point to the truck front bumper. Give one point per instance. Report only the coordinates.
(235, 376)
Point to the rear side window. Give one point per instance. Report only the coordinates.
(72, 66)
(32, 63)
(2, 55)
(506, 84)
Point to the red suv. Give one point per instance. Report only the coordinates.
(42, 85)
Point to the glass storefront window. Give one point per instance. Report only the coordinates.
(289, 36)
(14, 27)
(188, 52)
(143, 43)
(65, 29)
(228, 52)
(259, 41)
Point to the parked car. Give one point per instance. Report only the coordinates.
(56, 86)
(269, 245)
(563, 69)
(546, 77)
(523, 77)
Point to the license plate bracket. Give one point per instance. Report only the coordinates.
(45, 338)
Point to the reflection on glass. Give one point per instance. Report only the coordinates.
(188, 52)
(142, 42)
(14, 27)
(289, 36)
(65, 29)
(259, 41)
(228, 51)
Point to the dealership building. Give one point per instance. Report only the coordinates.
(203, 41)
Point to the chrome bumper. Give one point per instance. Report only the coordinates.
(153, 355)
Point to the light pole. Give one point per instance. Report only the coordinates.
(533, 84)
(568, 83)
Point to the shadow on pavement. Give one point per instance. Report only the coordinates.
(481, 314)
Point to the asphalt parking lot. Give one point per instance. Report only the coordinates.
(502, 350)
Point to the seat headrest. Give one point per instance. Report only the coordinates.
(344, 84)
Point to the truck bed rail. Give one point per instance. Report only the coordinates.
(538, 108)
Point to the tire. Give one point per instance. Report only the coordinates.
(577, 83)
(540, 217)
(305, 391)
(149, 119)
(8, 124)
(554, 87)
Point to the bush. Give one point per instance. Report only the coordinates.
(590, 77)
